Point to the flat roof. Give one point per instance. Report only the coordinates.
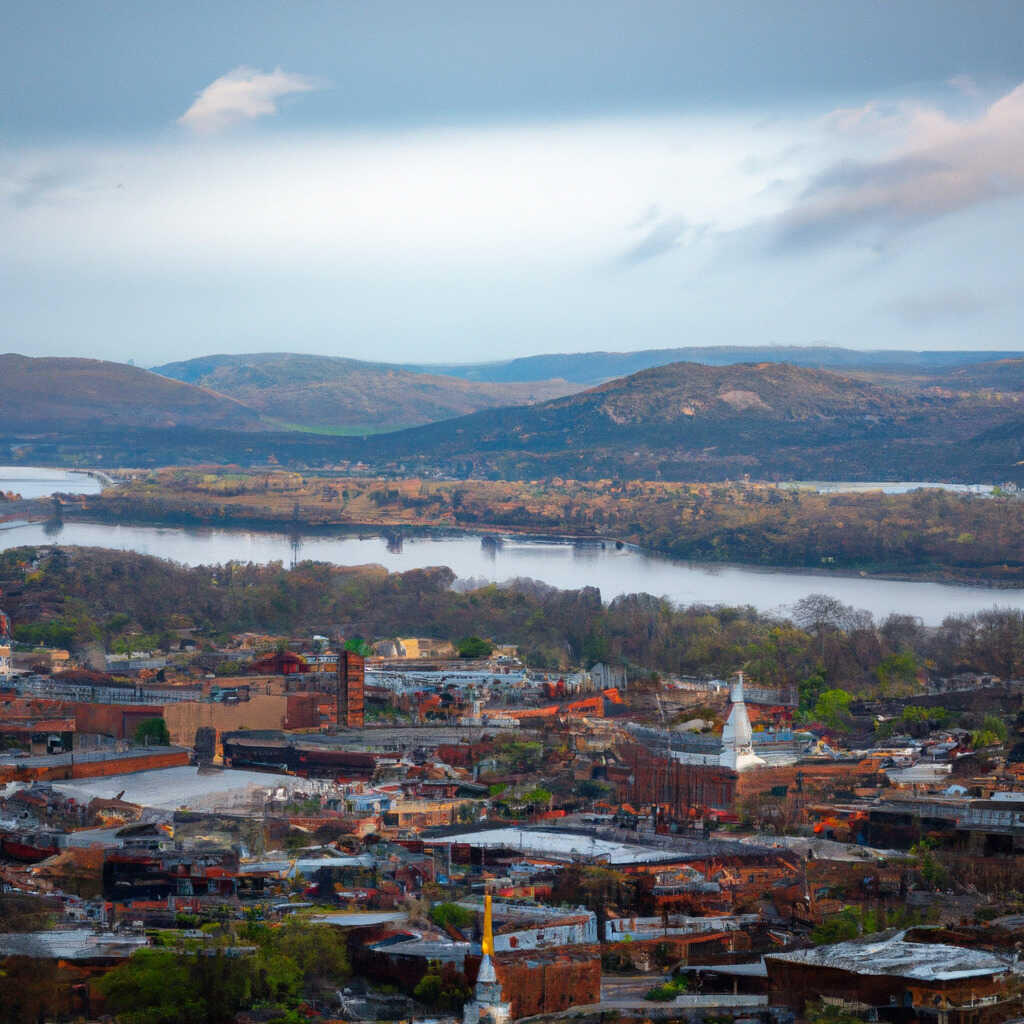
(171, 788)
(71, 944)
(894, 956)
(561, 846)
(362, 918)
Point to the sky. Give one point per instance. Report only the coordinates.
(468, 181)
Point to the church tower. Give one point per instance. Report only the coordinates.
(737, 736)
(487, 1006)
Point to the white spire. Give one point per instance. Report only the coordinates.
(737, 736)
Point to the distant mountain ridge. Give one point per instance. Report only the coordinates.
(693, 421)
(685, 420)
(594, 367)
(348, 395)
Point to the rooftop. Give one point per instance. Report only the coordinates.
(895, 957)
(171, 788)
(561, 846)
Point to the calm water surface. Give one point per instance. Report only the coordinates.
(563, 565)
(31, 482)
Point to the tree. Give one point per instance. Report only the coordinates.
(837, 928)
(833, 709)
(537, 797)
(592, 789)
(993, 731)
(358, 645)
(474, 647)
(897, 672)
(442, 987)
(451, 914)
(153, 732)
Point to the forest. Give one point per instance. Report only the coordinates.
(89, 597)
(931, 533)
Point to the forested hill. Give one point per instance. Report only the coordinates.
(595, 367)
(65, 395)
(348, 395)
(691, 421)
(996, 374)
(684, 421)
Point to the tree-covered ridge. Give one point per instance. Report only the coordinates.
(682, 421)
(824, 646)
(320, 392)
(687, 421)
(930, 533)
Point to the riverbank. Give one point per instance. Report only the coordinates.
(395, 534)
(923, 535)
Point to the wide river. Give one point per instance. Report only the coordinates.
(563, 565)
(33, 482)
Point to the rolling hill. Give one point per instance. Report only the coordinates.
(683, 421)
(997, 375)
(692, 421)
(591, 368)
(349, 396)
(55, 394)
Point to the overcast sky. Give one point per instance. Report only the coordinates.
(465, 181)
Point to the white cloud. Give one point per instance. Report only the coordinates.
(937, 165)
(242, 94)
(520, 232)
(533, 196)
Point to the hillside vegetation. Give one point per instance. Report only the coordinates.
(346, 395)
(595, 367)
(683, 421)
(71, 394)
(87, 592)
(925, 533)
(687, 421)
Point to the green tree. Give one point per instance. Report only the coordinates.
(537, 797)
(442, 988)
(153, 732)
(837, 928)
(474, 647)
(357, 645)
(156, 986)
(451, 914)
(833, 709)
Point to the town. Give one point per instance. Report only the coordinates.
(316, 827)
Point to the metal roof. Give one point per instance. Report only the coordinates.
(894, 956)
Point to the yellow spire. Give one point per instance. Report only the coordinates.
(487, 945)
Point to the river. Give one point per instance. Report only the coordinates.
(560, 564)
(33, 482)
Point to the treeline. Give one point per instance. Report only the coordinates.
(91, 594)
(931, 533)
(200, 981)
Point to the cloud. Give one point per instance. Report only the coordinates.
(938, 166)
(664, 236)
(242, 94)
(42, 185)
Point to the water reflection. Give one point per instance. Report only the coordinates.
(614, 569)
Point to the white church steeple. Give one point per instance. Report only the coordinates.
(737, 736)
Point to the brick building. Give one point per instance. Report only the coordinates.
(899, 981)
